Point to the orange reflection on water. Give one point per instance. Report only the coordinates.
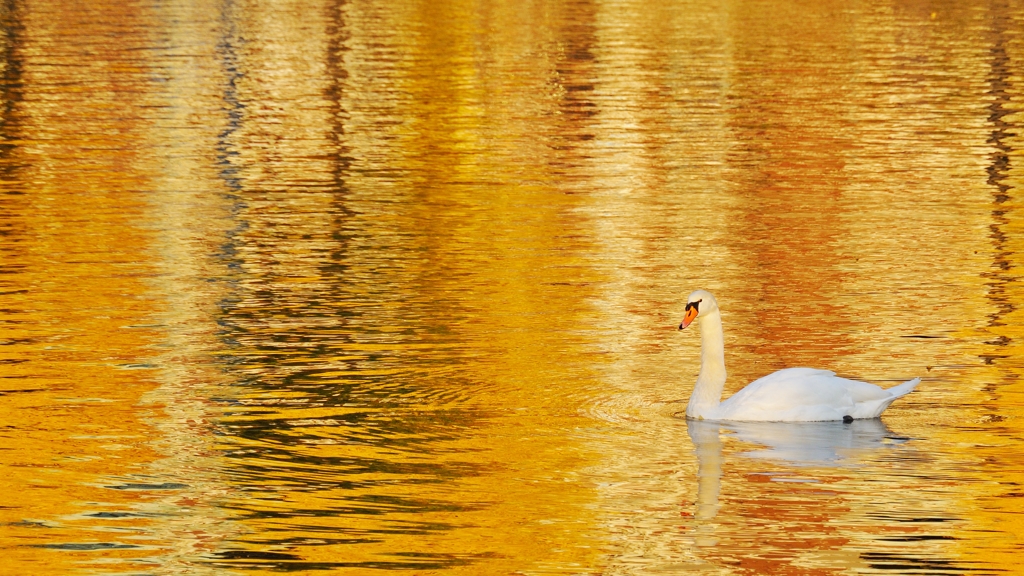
(77, 319)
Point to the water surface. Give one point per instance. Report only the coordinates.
(393, 286)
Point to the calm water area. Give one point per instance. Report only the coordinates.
(365, 286)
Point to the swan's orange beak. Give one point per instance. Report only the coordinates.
(691, 313)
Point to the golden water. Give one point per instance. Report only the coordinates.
(393, 286)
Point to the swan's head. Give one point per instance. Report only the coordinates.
(699, 303)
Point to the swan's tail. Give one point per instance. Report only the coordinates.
(903, 389)
(874, 408)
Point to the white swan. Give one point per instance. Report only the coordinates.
(790, 395)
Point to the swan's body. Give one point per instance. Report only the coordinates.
(790, 395)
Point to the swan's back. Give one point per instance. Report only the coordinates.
(807, 395)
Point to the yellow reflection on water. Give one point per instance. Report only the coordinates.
(360, 286)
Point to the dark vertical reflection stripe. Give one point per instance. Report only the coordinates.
(11, 227)
(1001, 138)
(10, 87)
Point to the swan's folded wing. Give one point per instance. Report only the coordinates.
(793, 380)
(822, 381)
(791, 394)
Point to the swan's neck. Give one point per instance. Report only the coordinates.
(707, 393)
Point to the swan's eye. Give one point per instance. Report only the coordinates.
(693, 305)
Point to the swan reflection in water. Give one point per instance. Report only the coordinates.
(829, 444)
(798, 444)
